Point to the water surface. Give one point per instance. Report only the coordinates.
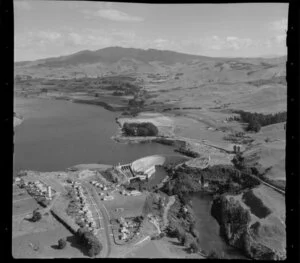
(57, 134)
(209, 228)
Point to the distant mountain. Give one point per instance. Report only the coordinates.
(114, 54)
(118, 60)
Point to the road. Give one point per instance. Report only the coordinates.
(262, 181)
(105, 216)
(272, 186)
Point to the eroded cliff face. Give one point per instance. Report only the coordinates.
(257, 238)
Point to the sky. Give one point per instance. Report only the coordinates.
(55, 28)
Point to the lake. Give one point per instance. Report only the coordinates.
(57, 134)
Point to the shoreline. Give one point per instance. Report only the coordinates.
(102, 104)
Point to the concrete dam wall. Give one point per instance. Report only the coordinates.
(146, 163)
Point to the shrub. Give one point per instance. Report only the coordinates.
(62, 243)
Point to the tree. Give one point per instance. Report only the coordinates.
(36, 216)
(239, 161)
(62, 243)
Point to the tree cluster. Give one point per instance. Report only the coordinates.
(89, 241)
(140, 129)
(257, 120)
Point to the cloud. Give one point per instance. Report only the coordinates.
(22, 5)
(223, 43)
(114, 15)
(279, 25)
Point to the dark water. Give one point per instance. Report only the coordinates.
(57, 134)
(208, 228)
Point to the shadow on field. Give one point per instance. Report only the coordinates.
(74, 243)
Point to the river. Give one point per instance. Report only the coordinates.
(57, 134)
(208, 228)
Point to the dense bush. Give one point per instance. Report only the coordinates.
(89, 241)
(140, 129)
(221, 179)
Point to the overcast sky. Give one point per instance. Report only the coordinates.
(53, 28)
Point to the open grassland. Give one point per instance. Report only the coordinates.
(132, 205)
(43, 244)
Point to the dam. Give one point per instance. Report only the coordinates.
(141, 168)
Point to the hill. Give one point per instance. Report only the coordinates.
(118, 60)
